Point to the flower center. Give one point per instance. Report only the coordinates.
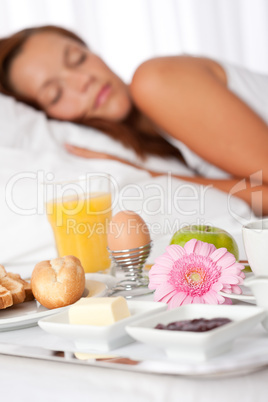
(193, 277)
(194, 274)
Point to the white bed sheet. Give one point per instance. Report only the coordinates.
(32, 145)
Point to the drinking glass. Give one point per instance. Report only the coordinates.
(79, 212)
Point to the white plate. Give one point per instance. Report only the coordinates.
(196, 346)
(100, 338)
(245, 296)
(27, 314)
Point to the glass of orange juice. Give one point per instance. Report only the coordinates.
(79, 212)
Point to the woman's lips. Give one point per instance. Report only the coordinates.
(102, 96)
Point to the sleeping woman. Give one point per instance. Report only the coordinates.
(173, 107)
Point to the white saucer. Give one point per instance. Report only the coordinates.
(245, 296)
(27, 314)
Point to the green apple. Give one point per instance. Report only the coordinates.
(247, 268)
(208, 234)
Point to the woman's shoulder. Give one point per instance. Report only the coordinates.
(150, 72)
(160, 64)
(154, 68)
(153, 76)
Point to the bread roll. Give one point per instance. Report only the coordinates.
(59, 282)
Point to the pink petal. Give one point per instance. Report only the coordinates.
(161, 272)
(177, 300)
(188, 300)
(175, 251)
(232, 280)
(156, 280)
(227, 290)
(242, 275)
(163, 290)
(236, 290)
(198, 300)
(210, 298)
(231, 271)
(152, 285)
(168, 297)
(204, 249)
(159, 269)
(217, 286)
(226, 260)
(190, 246)
(218, 253)
(227, 301)
(240, 280)
(238, 265)
(220, 299)
(164, 260)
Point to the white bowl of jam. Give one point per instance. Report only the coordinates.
(196, 332)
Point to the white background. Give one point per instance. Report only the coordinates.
(126, 32)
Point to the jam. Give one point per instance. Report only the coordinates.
(196, 325)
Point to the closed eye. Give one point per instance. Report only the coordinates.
(51, 93)
(74, 56)
(56, 98)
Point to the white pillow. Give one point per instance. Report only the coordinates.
(23, 127)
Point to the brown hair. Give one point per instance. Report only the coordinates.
(144, 141)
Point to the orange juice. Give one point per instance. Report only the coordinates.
(80, 228)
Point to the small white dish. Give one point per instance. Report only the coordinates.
(196, 346)
(100, 338)
(27, 314)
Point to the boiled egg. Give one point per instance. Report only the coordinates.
(127, 230)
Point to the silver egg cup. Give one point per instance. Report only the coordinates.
(129, 269)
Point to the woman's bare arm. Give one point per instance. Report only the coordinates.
(236, 187)
(185, 98)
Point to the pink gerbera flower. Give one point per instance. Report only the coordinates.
(195, 273)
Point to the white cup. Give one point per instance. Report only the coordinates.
(255, 237)
(259, 287)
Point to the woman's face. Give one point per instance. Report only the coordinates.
(67, 80)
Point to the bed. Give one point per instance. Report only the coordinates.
(31, 151)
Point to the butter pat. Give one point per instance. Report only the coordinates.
(98, 311)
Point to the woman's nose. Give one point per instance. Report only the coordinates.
(78, 81)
